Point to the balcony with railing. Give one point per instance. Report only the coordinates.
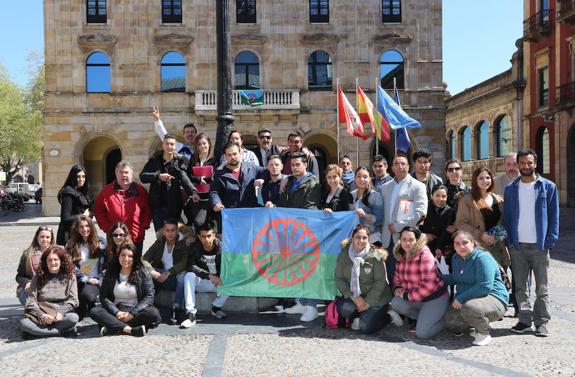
(566, 12)
(273, 99)
(538, 25)
(566, 93)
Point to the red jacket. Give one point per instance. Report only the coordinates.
(416, 272)
(130, 207)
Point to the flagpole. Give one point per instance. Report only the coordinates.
(357, 138)
(375, 136)
(394, 131)
(337, 118)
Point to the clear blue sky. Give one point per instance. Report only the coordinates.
(478, 38)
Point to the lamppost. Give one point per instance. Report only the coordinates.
(225, 117)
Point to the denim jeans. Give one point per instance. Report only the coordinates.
(173, 283)
(373, 319)
(193, 284)
(70, 319)
(159, 215)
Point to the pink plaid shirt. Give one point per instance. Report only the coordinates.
(418, 276)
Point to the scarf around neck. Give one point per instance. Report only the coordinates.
(357, 260)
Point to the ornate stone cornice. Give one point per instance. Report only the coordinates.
(249, 39)
(169, 41)
(384, 38)
(97, 41)
(323, 38)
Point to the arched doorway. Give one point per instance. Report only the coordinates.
(324, 147)
(100, 157)
(571, 167)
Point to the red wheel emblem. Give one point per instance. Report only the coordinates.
(285, 252)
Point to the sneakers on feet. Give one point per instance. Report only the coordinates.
(279, 308)
(296, 309)
(310, 313)
(138, 331)
(395, 318)
(481, 339)
(355, 324)
(103, 331)
(189, 322)
(218, 312)
(70, 333)
(520, 327)
(542, 331)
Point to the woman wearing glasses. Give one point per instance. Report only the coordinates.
(119, 234)
(74, 201)
(455, 186)
(30, 261)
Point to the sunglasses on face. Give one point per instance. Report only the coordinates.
(265, 137)
(451, 170)
(117, 235)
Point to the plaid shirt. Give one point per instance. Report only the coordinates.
(418, 275)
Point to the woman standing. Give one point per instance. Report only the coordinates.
(419, 293)
(87, 252)
(30, 261)
(74, 201)
(368, 203)
(336, 198)
(118, 235)
(480, 211)
(361, 278)
(454, 184)
(127, 296)
(481, 295)
(53, 296)
(437, 222)
(201, 170)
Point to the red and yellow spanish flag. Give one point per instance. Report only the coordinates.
(367, 114)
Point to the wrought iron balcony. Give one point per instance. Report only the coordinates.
(273, 99)
(538, 25)
(566, 94)
(566, 12)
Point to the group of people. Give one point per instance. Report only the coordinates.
(408, 221)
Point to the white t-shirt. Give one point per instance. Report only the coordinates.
(526, 229)
(125, 292)
(393, 199)
(167, 257)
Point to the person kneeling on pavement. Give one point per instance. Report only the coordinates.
(361, 277)
(166, 260)
(126, 297)
(481, 296)
(204, 263)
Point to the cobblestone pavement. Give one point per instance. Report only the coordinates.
(269, 344)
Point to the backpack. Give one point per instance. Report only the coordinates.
(331, 316)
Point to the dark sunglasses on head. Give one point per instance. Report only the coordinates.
(118, 235)
(45, 228)
(451, 170)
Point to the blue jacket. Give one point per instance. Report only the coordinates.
(476, 276)
(546, 213)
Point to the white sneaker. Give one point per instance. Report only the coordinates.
(189, 322)
(279, 308)
(395, 318)
(309, 314)
(296, 309)
(355, 324)
(481, 339)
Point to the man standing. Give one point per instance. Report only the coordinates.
(265, 148)
(531, 217)
(126, 201)
(190, 131)
(347, 176)
(404, 204)
(422, 162)
(511, 174)
(380, 175)
(271, 189)
(295, 144)
(165, 173)
(302, 191)
(204, 267)
(246, 156)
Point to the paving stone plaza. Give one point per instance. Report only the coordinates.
(270, 344)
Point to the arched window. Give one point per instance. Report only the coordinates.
(247, 71)
(319, 72)
(98, 73)
(391, 65)
(465, 138)
(452, 145)
(503, 136)
(173, 72)
(543, 151)
(482, 140)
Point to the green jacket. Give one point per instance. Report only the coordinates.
(307, 195)
(153, 257)
(372, 277)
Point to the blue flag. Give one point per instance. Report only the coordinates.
(252, 97)
(402, 141)
(392, 111)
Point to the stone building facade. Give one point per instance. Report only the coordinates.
(96, 128)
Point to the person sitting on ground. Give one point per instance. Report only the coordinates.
(336, 197)
(436, 223)
(30, 261)
(204, 267)
(118, 235)
(127, 297)
(419, 293)
(166, 260)
(360, 276)
(87, 251)
(481, 296)
(53, 296)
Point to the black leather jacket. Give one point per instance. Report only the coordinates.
(144, 288)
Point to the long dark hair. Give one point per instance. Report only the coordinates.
(196, 156)
(66, 266)
(365, 195)
(111, 250)
(137, 264)
(72, 179)
(75, 240)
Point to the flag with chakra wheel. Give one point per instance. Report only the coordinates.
(252, 97)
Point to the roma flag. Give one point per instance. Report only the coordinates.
(282, 252)
(348, 115)
(365, 109)
(252, 97)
